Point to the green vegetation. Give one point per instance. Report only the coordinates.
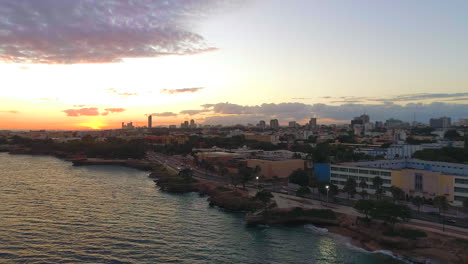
(111, 148)
(386, 211)
(265, 197)
(397, 193)
(418, 201)
(299, 212)
(447, 154)
(223, 189)
(350, 187)
(247, 174)
(299, 177)
(303, 191)
(378, 182)
(406, 233)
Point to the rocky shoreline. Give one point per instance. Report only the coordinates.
(437, 248)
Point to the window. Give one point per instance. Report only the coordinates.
(385, 173)
(334, 168)
(461, 181)
(460, 198)
(364, 171)
(374, 172)
(353, 170)
(418, 181)
(344, 169)
(387, 181)
(461, 190)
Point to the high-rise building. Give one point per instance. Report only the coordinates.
(262, 124)
(185, 124)
(150, 121)
(292, 124)
(313, 123)
(443, 122)
(192, 124)
(274, 124)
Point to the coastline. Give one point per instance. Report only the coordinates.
(230, 200)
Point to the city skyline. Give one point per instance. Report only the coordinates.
(230, 62)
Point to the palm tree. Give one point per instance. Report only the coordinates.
(350, 187)
(265, 197)
(442, 204)
(378, 182)
(418, 201)
(397, 193)
(363, 185)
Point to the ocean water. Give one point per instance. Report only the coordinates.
(52, 212)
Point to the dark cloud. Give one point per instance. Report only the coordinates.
(164, 114)
(100, 31)
(181, 90)
(92, 111)
(399, 98)
(193, 112)
(10, 111)
(227, 113)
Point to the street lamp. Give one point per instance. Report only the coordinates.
(328, 189)
(257, 182)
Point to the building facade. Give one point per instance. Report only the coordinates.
(416, 177)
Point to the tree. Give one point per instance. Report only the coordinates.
(418, 201)
(350, 187)
(452, 134)
(246, 175)
(365, 206)
(363, 185)
(299, 177)
(390, 212)
(441, 203)
(313, 183)
(265, 197)
(186, 174)
(223, 171)
(235, 179)
(378, 182)
(397, 193)
(303, 191)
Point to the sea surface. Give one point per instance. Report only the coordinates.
(52, 212)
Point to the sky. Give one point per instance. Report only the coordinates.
(92, 64)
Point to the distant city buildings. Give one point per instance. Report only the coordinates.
(150, 121)
(313, 123)
(442, 122)
(262, 124)
(274, 124)
(128, 125)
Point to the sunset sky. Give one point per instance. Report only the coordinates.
(95, 63)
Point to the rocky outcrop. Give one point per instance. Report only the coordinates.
(293, 216)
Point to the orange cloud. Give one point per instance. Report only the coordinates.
(93, 111)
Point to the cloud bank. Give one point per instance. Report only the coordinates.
(99, 31)
(164, 114)
(228, 113)
(10, 111)
(92, 111)
(181, 90)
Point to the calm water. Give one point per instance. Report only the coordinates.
(51, 212)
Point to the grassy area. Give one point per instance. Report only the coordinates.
(406, 233)
(299, 212)
(223, 189)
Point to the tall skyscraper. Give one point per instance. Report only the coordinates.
(192, 124)
(262, 124)
(312, 123)
(292, 124)
(150, 121)
(274, 124)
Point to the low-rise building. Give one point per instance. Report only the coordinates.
(416, 177)
(281, 168)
